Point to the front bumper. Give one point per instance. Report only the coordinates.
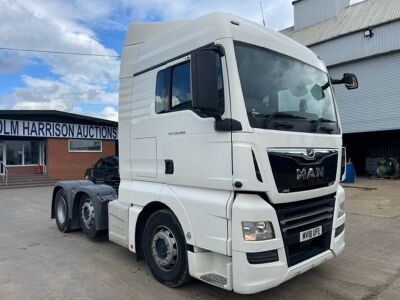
(252, 278)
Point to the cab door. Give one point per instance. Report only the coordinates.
(190, 151)
(194, 160)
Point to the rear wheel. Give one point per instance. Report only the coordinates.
(165, 249)
(61, 211)
(87, 218)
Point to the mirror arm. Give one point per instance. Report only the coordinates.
(337, 81)
(325, 86)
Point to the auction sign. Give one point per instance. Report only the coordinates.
(56, 130)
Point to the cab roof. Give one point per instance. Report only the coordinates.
(151, 44)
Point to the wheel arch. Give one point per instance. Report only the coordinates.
(150, 209)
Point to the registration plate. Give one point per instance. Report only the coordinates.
(310, 234)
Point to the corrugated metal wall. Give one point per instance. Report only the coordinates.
(375, 105)
(356, 46)
(310, 12)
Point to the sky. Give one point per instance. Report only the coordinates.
(86, 84)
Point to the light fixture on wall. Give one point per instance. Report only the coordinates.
(368, 33)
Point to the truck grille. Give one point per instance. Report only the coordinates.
(288, 165)
(303, 215)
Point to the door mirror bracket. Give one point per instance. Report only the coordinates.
(227, 125)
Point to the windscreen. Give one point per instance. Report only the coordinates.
(283, 93)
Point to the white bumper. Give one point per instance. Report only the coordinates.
(252, 278)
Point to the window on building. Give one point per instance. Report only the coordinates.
(14, 153)
(76, 145)
(19, 153)
(31, 153)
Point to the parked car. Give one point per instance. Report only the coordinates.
(106, 171)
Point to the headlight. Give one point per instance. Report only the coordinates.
(257, 231)
(341, 210)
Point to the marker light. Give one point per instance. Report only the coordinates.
(341, 210)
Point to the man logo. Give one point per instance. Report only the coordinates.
(310, 153)
(304, 174)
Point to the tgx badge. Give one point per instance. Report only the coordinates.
(304, 173)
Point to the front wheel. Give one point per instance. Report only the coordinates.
(87, 217)
(165, 249)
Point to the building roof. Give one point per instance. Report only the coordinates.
(53, 116)
(356, 17)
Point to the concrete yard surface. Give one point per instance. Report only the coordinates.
(39, 262)
(376, 197)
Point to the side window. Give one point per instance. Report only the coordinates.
(162, 92)
(99, 164)
(108, 163)
(181, 91)
(173, 88)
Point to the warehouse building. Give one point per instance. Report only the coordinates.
(363, 39)
(58, 144)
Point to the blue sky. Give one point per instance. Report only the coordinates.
(85, 84)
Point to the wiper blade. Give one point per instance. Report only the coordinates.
(322, 120)
(283, 116)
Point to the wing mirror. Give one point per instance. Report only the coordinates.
(204, 69)
(349, 80)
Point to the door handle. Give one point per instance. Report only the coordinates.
(169, 166)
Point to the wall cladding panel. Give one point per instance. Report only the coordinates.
(375, 105)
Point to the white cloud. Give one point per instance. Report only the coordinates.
(70, 26)
(54, 25)
(109, 113)
(42, 92)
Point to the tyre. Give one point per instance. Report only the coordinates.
(87, 218)
(61, 211)
(165, 249)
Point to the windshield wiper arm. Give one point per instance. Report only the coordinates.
(285, 125)
(283, 116)
(326, 129)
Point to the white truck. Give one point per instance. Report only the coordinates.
(230, 154)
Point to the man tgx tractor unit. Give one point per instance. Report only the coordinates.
(230, 155)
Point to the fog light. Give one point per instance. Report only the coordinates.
(341, 210)
(257, 231)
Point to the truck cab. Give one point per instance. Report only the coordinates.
(230, 154)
